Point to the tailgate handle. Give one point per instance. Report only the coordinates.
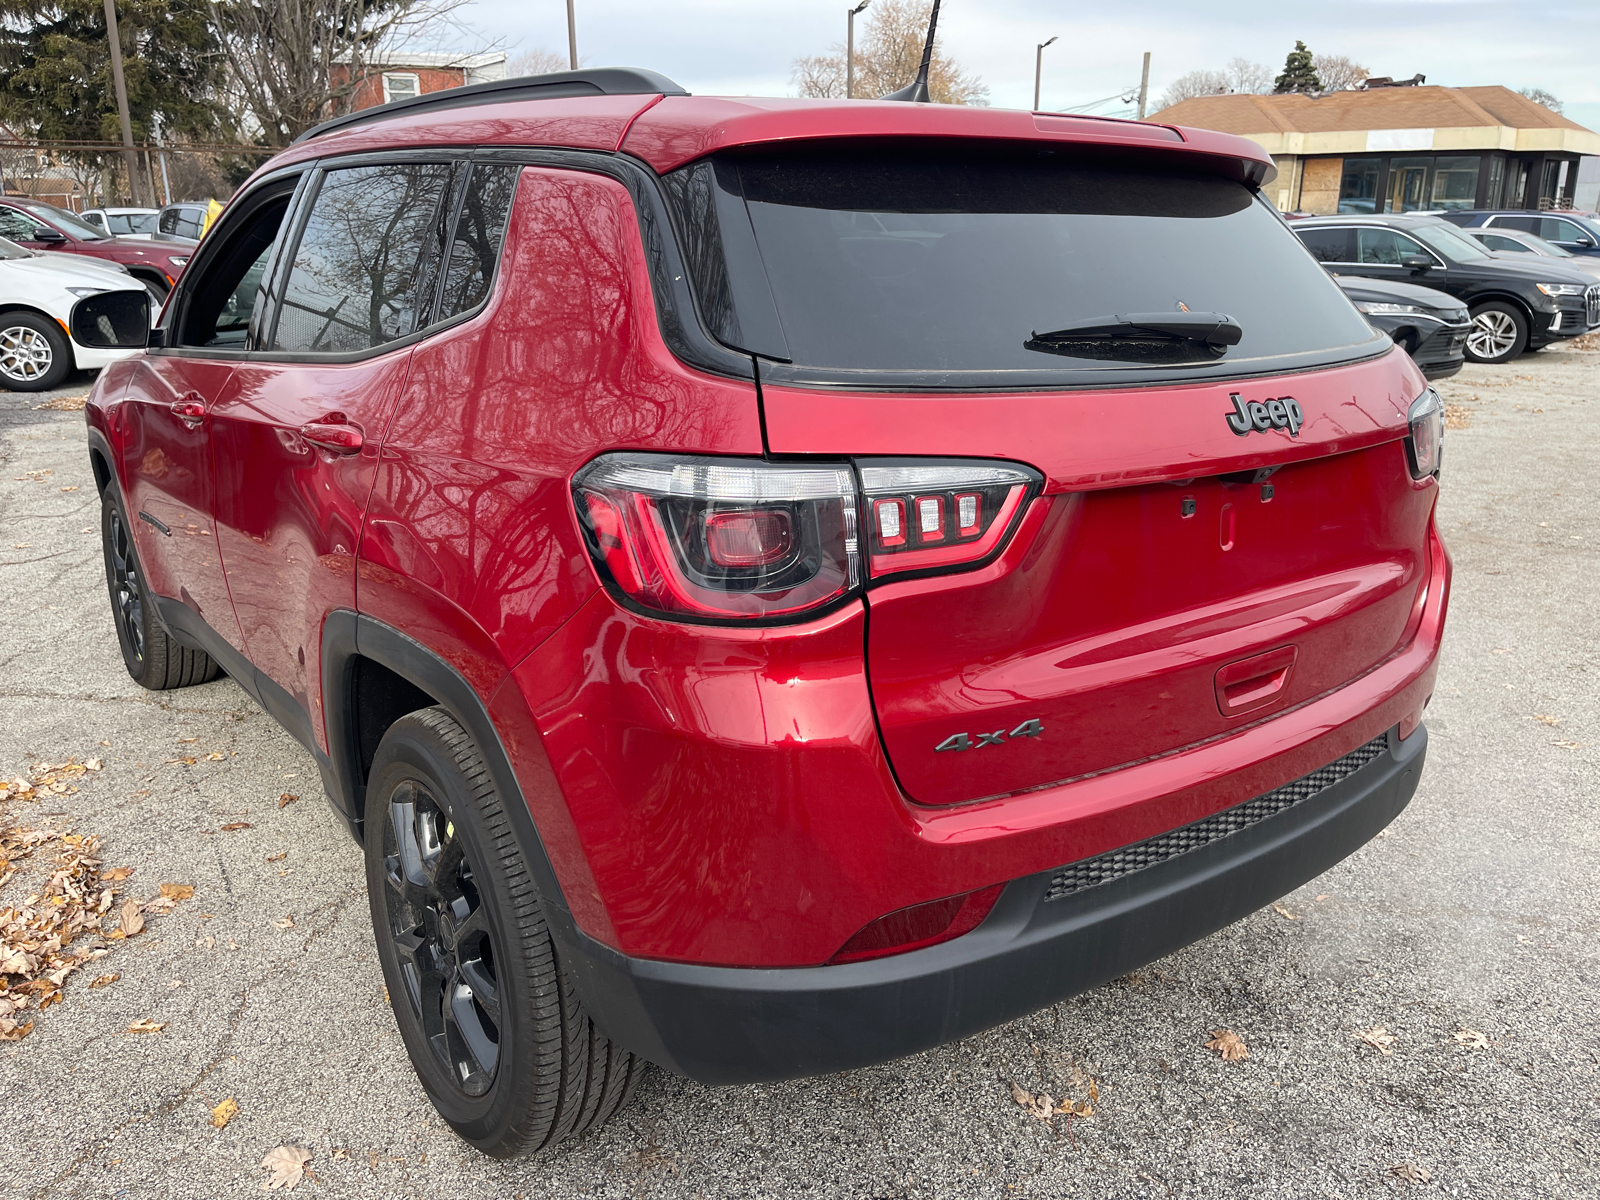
(336, 437)
(1254, 682)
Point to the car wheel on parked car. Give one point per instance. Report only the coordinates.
(153, 658)
(34, 355)
(487, 1011)
(1499, 333)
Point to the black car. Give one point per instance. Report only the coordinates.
(1432, 326)
(1515, 306)
(1576, 233)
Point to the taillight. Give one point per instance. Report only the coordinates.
(931, 515)
(721, 538)
(1426, 443)
(920, 925)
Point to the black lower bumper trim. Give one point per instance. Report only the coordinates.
(732, 1025)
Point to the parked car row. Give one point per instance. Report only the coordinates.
(156, 262)
(37, 294)
(1516, 302)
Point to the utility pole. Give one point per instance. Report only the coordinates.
(166, 184)
(850, 49)
(129, 154)
(1144, 85)
(572, 35)
(1038, 71)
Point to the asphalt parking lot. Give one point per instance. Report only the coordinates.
(1478, 912)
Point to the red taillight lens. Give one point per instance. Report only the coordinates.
(721, 538)
(931, 515)
(920, 925)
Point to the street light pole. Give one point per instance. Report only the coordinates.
(1038, 71)
(572, 35)
(850, 49)
(1144, 85)
(129, 154)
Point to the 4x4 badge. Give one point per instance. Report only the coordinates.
(963, 741)
(1283, 413)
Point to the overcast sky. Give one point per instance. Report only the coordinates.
(745, 47)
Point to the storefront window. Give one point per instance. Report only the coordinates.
(1497, 170)
(1408, 180)
(1455, 183)
(1358, 186)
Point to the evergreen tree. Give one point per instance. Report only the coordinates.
(1299, 75)
(55, 69)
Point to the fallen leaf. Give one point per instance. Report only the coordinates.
(235, 826)
(215, 756)
(1042, 1107)
(278, 857)
(1411, 1173)
(286, 923)
(105, 980)
(207, 942)
(1228, 1044)
(177, 891)
(1567, 745)
(1284, 913)
(1472, 1038)
(94, 764)
(131, 922)
(286, 1167)
(179, 762)
(146, 1025)
(10, 1031)
(1546, 718)
(287, 799)
(224, 1112)
(1379, 1038)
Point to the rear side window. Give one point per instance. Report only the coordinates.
(1386, 248)
(1327, 245)
(362, 272)
(1523, 224)
(944, 259)
(476, 245)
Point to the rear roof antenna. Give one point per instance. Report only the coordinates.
(917, 90)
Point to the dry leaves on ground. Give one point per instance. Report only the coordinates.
(1229, 1045)
(47, 779)
(1457, 416)
(100, 981)
(286, 923)
(147, 1025)
(1411, 1173)
(224, 1112)
(1472, 1039)
(64, 403)
(278, 857)
(1042, 1106)
(235, 826)
(287, 799)
(177, 891)
(1284, 913)
(1379, 1038)
(286, 1166)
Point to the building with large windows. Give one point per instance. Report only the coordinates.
(1401, 149)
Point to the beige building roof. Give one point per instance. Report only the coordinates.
(1385, 119)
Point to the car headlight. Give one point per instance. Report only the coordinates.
(178, 260)
(82, 292)
(1425, 446)
(1374, 306)
(1561, 289)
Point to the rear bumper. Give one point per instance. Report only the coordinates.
(730, 1025)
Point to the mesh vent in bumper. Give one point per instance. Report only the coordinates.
(1116, 863)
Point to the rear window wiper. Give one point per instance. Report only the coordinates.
(1215, 331)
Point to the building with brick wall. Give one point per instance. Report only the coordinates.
(1405, 148)
(402, 75)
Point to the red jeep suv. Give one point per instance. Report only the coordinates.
(777, 585)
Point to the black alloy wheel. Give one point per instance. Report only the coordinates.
(489, 1014)
(442, 937)
(154, 659)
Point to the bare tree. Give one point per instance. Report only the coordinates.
(1195, 83)
(1251, 77)
(1540, 96)
(293, 63)
(537, 62)
(1338, 72)
(888, 53)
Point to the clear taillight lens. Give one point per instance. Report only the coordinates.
(721, 538)
(1426, 444)
(924, 515)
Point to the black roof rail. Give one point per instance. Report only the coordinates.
(594, 81)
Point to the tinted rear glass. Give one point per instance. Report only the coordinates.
(904, 260)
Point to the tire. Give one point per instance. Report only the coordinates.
(1499, 333)
(34, 354)
(485, 1007)
(153, 658)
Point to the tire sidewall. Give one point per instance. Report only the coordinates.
(62, 360)
(110, 503)
(411, 751)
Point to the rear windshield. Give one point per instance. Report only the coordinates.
(902, 261)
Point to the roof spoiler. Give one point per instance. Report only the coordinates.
(597, 81)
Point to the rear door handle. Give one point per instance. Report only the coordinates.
(191, 409)
(335, 437)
